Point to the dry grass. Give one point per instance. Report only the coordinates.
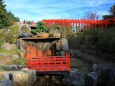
(18, 61)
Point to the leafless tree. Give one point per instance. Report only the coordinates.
(91, 16)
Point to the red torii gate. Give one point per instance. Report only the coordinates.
(83, 23)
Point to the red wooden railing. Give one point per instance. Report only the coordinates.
(83, 23)
(46, 63)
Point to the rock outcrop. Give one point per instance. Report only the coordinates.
(23, 77)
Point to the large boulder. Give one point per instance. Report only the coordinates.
(64, 44)
(24, 77)
(21, 44)
(21, 79)
(8, 46)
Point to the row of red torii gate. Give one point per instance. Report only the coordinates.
(83, 23)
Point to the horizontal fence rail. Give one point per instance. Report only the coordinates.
(83, 23)
(46, 63)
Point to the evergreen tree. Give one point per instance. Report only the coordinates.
(6, 18)
(3, 15)
(112, 10)
(11, 17)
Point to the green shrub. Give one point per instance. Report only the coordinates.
(72, 41)
(39, 28)
(103, 39)
(64, 31)
(9, 35)
(106, 42)
(25, 29)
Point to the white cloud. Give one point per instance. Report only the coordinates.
(101, 13)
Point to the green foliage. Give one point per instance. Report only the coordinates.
(6, 18)
(2, 68)
(3, 15)
(40, 28)
(9, 35)
(72, 41)
(107, 16)
(112, 10)
(106, 41)
(35, 30)
(12, 34)
(87, 37)
(64, 31)
(102, 39)
(29, 22)
(9, 52)
(12, 18)
(52, 28)
(25, 29)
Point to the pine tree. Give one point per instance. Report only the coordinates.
(112, 10)
(11, 17)
(3, 16)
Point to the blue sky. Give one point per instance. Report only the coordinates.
(57, 9)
